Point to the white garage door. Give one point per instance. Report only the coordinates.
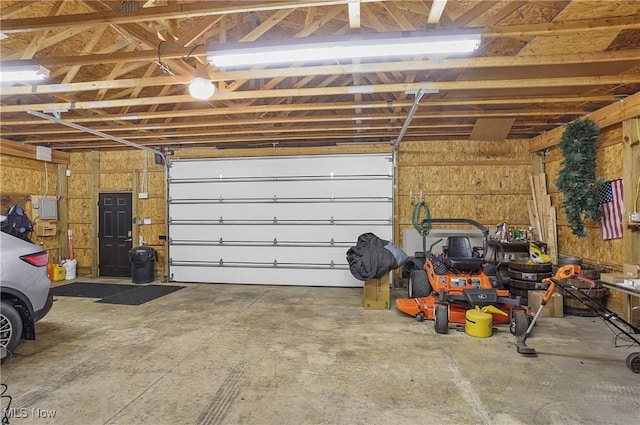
(285, 220)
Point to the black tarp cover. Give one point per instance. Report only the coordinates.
(373, 257)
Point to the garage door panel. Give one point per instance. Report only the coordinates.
(272, 167)
(265, 275)
(282, 212)
(248, 233)
(275, 220)
(230, 191)
(302, 254)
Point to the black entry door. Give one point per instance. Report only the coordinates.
(115, 213)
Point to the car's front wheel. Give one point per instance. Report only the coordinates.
(10, 326)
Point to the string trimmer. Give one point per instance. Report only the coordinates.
(564, 272)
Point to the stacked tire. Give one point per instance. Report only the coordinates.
(525, 277)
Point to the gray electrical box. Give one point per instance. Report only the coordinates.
(48, 209)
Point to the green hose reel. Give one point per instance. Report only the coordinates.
(422, 228)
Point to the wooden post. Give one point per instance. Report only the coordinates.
(135, 205)
(95, 188)
(63, 213)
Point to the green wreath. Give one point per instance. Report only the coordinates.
(577, 176)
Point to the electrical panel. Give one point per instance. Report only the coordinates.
(48, 208)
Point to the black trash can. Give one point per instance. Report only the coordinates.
(142, 258)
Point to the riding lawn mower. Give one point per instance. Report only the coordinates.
(457, 280)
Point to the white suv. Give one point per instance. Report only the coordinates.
(25, 289)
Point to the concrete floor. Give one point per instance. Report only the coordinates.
(232, 354)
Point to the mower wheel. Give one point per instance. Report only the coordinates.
(519, 323)
(633, 362)
(441, 322)
(420, 317)
(419, 285)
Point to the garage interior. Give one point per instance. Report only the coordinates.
(251, 197)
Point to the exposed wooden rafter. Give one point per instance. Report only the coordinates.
(436, 11)
(124, 67)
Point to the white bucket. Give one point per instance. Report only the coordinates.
(70, 268)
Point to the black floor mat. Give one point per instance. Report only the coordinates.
(90, 290)
(115, 293)
(140, 294)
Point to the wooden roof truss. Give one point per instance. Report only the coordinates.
(123, 68)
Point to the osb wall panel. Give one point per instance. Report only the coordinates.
(487, 209)
(81, 236)
(84, 258)
(116, 181)
(21, 178)
(592, 249)
(80, 161)
(155, 183)
(80, 210)
(122, 160)
(154, 208)
(28, 176)
(151, 232)
(609, 162)
(483, 181)
(79, 184)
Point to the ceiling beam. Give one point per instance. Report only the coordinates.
(206, 120)
(334, 132)
(468, 63)
(494, 85)
(21, 150)
(333, 106)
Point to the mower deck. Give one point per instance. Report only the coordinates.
(424, 308)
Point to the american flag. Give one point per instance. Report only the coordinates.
(611, 201)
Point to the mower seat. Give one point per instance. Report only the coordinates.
(458, 255)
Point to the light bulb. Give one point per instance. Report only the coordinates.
(201, 88)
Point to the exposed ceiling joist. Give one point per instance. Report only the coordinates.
(436, 11)
(354, 14)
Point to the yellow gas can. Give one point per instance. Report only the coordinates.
(59, 273)
(479, 322)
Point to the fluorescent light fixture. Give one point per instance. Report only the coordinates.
(201, 88)
(346, 49)
(22, 72)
